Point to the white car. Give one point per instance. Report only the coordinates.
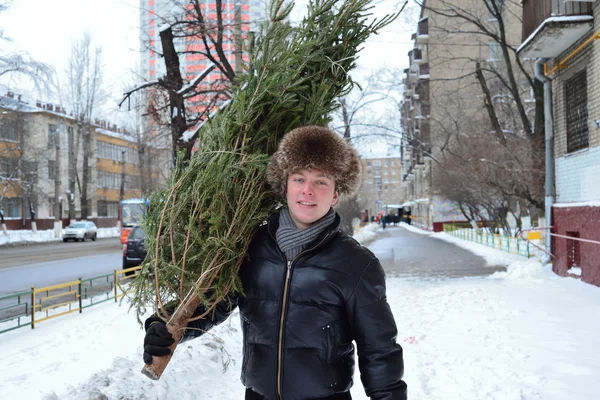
(80, 230)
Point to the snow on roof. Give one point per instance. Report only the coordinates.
(117, 135)
(21, 106)
(564, 18)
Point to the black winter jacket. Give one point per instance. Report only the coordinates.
(299, 319)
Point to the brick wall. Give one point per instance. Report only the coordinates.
(584, 222)
(578, 176)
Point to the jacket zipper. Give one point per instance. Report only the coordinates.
(282, 316)
(281, 320)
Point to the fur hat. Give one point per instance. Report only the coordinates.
(315, 147)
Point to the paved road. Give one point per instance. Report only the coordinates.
(407, 254)
(52, 251)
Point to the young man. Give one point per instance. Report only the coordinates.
(310, 290)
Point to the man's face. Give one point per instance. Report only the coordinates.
(310, 194)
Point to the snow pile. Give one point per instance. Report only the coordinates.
(366, 234)
(27, 236)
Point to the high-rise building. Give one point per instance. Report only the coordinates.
(193, 50)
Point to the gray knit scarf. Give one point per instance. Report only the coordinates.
(292, 240)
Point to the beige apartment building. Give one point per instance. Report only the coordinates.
(443, 101)
(381, 184)
(31, 162)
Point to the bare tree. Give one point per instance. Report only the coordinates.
(84, 95)
(486, 133)
(183, 102)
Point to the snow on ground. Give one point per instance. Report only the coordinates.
(521, 334)
(27, 236)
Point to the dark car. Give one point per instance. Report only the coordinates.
(134, 251)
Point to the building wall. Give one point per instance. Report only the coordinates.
(582, 222)
(371, 195)
(576, 212)
(450, 104)
(35, 148)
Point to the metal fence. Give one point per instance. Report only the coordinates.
(31, 307)
(509, 244)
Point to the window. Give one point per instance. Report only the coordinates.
(30, 173)
(492, 15)
(368, 163)
(52, 135)
(377, 172)
(9, 131)
(9, 167)
(495, 51)
(12, 207)
(108, 208)
(51, 169)
(577, 112)
(377, 163)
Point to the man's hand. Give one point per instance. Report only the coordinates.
(157, 341)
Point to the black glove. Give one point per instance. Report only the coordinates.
(157, 341)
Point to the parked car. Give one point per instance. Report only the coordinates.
(134, 250)
(80, 230)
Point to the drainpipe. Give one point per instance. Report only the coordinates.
(549, 138)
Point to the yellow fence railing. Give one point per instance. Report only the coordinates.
(55, 296)
(62, 299)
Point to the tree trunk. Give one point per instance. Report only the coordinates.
(489, 105)
(144, 175)
(346, 119)
(57, 184)
(176, 326)
(122, 186)
(86, 171)
(174, 82)
(72, 177)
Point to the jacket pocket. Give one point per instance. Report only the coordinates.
(330, 352)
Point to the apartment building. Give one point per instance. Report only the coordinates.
(563, 37)
(443, 101)
(38, 146)
(381, 184)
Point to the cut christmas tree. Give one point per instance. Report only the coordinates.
(199, 228)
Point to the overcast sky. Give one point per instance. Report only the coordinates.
(46, 28)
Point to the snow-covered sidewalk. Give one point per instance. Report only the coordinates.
(521, 334)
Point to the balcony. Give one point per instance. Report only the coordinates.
(552, 26)
(422, 90)
(423, 31)
(424, 71)
(418, 56)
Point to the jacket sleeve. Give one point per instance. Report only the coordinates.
(198, 327)
(373, 328)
